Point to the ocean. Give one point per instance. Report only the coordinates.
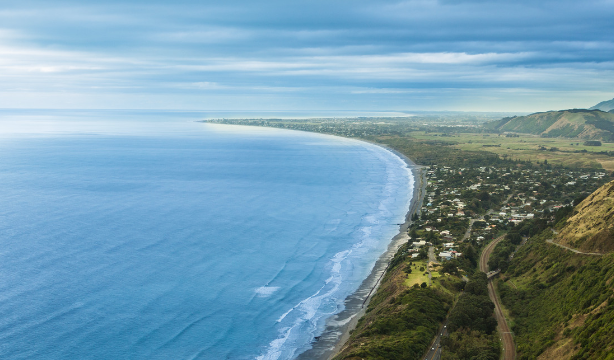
(150, 235)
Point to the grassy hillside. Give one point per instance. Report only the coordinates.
(591, 228)
(604, 106)
(574, 124)
(401, 320)
(561, 302)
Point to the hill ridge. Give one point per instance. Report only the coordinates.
(571, 123)
(607, 105)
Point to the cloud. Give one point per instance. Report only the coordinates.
(317, 53)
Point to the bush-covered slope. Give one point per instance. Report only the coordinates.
(561, 302)
(401, 321)
(472, 325)
(576, 123)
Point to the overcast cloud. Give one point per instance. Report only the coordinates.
(288, 55)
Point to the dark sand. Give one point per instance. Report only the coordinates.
(338, 327)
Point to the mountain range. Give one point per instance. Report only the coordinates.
(604, 106)
(573, 123)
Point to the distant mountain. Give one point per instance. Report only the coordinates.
(574, 123)
(591, 228)
(604, 106)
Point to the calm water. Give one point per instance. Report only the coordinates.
(134, 235)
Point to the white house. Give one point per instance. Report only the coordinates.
(445, 255)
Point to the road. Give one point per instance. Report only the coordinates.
(431, 259)
(506, 335)
(573, 250)
(468, 232)
(434, 352)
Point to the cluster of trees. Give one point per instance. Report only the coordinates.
(474, 310)
(398, 325)
(500, 257)
(472, 324)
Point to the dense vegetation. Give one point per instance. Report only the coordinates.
(562, 303)
(472, 325)
(428, 153)
(400, 322)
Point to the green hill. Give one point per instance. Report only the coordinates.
(604, 106)
(575, 124)
(561, 303)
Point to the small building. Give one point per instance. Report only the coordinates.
(445, 255)
(419, 244)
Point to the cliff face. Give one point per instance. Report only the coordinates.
(576, 123)
(591, 228)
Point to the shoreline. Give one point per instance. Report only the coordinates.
(338, 326)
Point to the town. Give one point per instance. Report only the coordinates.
(468, 206)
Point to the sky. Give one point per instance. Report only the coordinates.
(430, 55)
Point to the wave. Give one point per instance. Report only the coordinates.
(304, 321)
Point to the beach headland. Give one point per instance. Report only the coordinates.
(338, 326)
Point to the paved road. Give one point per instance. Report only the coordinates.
(468, 232)
(430, 260)
(573, 250)
(506, 335)
(434, 352)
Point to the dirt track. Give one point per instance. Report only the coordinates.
(504, 330)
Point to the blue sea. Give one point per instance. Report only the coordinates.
(150, 235)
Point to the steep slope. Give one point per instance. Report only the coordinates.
(591, 228)
(575, 123)
(561, 302)
(604, 106)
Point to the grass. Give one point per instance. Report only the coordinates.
(526, 147)
(417, 276)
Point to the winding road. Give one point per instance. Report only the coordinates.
(504, 330)
(573, 250)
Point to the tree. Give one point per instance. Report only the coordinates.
(514, 238)
(450, 267)
(423, 285)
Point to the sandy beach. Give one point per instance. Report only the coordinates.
(338, 327)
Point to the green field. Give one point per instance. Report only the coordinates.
(417, 276)
(527, 147)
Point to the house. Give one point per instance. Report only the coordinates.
(445, 255)
(419, 244)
